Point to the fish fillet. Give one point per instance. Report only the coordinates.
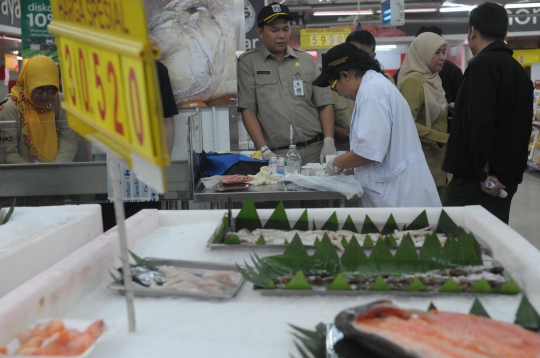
(400, 333)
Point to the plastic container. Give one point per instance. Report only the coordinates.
(294, 162)
(272, 163)
(209, 183)
(281, 166)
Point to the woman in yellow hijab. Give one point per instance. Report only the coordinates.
(40, 132)
(420, 84)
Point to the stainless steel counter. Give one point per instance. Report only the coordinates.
(274, 192)
(75, 179)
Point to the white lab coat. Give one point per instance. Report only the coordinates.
(383, 130)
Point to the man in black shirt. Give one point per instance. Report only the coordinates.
(492, 119)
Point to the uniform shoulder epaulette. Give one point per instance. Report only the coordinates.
(248, 52)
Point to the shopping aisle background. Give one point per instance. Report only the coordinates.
(525, 209)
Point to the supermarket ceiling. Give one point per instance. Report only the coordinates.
(319, 13)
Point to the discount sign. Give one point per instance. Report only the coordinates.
(36, 40)
(110, 83)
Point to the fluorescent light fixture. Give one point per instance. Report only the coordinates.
(421, 10)
(412, 11)
(386, 47)
(10, 38)
(342, 13)
(523, 5)
(456, 8)
(19, 58)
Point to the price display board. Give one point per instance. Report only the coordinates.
(109, 76)
(321, 39)
(11, 62)
(527, 57)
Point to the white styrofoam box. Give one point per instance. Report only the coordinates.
(60, 291)
(35, 238)
(221, 125)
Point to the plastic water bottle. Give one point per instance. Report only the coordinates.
(294, 162)
(273, 165)
(281, 166)
(490, 185)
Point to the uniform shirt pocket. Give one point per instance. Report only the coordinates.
(266, 88)
(307, 83)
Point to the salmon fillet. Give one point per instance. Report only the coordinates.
(437, 334)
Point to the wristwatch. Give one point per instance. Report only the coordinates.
(264, 149)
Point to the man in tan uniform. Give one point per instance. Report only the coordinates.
(275, 92)
(343, 107)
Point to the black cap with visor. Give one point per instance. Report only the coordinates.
(338, 58)
(271, 12)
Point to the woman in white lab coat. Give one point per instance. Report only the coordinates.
(385, 154)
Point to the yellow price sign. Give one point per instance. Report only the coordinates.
(320, 39)
(527, 57)
(110, 82)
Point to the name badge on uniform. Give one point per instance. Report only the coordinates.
(298, 87)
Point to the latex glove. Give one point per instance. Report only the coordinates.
(331, 168)
(267, 154)
(329, 148)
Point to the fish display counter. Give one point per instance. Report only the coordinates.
(35, 238)
(247, 324)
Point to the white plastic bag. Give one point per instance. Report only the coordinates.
(347, 185)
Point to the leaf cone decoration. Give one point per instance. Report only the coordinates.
(381, 258)
(482, 286)
(447, 225)
(317, 242)
(369, 227)
(390, 241)
(248, 218)
(390, 226)
(478, 310)
(355, 261)
(417, 286)
(326, 257)
(420, 222)
(296, 249)
(344, 241)
(261, 241)
(406, 257)
(450, 286)
(314, 342)
(450, 252)
(278, 220)
(298, 282)
(431, 307)
(339, 284)
(302, 224)
(379, 285)
(368, 242)
(349, 225)
(332, 223)
(314, 226)
(509, 288)
(526, 315)
(235, 240)
(430, 254)
(469, 250)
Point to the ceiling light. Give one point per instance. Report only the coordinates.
(456, 8)
(10, 38)
(342, 12)
(386, 47)
(421, 10)
(523, 5)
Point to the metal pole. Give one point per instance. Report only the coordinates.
(120, 222)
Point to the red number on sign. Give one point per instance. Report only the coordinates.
(70, 75)
(323, 40)
(102, 111)
(137, 116)
(117, 125)
(84, 80)
(313, 40)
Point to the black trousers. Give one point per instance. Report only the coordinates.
(466, 191)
